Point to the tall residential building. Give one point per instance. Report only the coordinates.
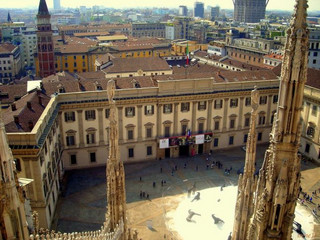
(198, 9)
(275, 197)
(45, 51)
(56, 5)
(183, 11)
(10, 62)
(250, 11)
(214, 12)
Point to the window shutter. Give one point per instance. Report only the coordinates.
(145, 110)
(152, 109)
(65, 117)
(133, 111)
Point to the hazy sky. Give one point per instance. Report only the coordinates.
(273, 4)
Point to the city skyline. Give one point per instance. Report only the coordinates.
(273, 4)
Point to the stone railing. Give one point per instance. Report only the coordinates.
(92, 235)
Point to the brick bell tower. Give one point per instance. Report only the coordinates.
(45, 51)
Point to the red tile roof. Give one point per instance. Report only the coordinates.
(23, 113)
(7, 47)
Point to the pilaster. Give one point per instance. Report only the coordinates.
(306, 117)
(240, 113)
(268, 117)
(80, 126)
(225, 114)
(159, 120)
(120, 123)
(100, 122)
(139, 122)
(209, 114)
(175, 118)
(194, 114)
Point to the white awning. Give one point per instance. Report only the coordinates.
(24, 181)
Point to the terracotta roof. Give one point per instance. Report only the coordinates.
(239, 64)
(9, 93)
(275, 56)
(313, 78)
(7, 47)
(122, 65)
(90, 34)
(26, 115)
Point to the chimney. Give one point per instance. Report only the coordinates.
(29, 105)
(13, 107)
(30, 124)
(16, 119)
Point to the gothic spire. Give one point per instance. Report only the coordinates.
(279, 178)
(43, 9)
(9, 20)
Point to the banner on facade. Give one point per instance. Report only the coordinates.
(200, 139)
(164, 143)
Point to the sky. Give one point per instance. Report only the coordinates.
(314, 5)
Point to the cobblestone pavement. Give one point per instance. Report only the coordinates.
(82, 204)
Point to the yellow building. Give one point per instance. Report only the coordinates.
(179, 47)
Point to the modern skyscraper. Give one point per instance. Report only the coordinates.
(56, 5)
(183, 10)
(277, 189)
(45, 50)
(250, 11)
(199, 9)
(215, 12)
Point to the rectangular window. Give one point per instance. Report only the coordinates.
(130, 153)
(314, 110)
(130, 111)
(107, 113)
(234, 102)
(263, 100)
(245, 138)
(73, 159)
(247, 121)
(130, 134)
(167, 131)
(69, 117)
(185, 107)
(90, 114)
(66, 65)
(167, 108)
(149, 110)
(259, 136)
(231, 140)
(218, 104)
(184, 129)
(90, 138)
(248, 101)
(149, 132)
(75, 64)
(307, 149)
(70, 140)
(275, 98)
(202, 105)
(149, 150)
(200, 128)
(262, 120)
(93, 157)
(216, 125)
(232, 123)
(216, 142)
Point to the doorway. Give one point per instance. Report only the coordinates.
(200, 148)
(184, 151)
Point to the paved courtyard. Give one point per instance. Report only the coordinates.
(82, 205)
